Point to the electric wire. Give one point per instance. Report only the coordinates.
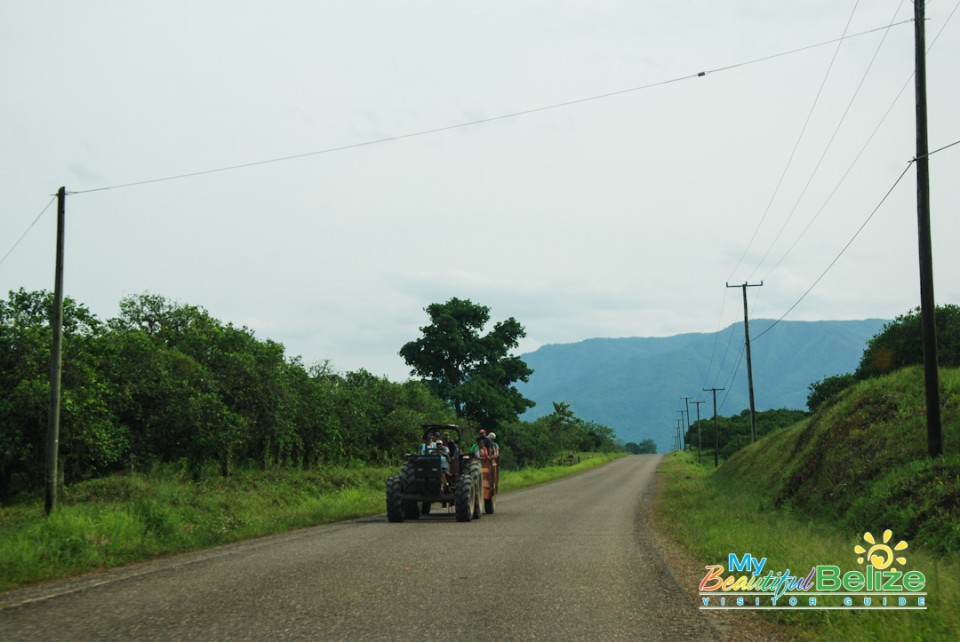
(886, 31)
(828, 268)
(840, 182)
(826, 149)
(716, 340)
(786, 170)
(481, 121)
(860, 153)
(796, 145)
(29, 227)
(842, 251)
(728, 388)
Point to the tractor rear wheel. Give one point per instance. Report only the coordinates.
(464, 498)
(394, 503)
(477, 470)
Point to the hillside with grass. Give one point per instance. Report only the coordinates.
(809, 493)
(864, 462)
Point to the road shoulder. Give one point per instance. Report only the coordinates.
(740, 626)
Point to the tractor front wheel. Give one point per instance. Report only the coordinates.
(394, 503)
(408, 478)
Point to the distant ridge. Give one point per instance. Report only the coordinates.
(635, 385)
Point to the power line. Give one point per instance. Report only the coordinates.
(819, 44)
(826, 148)
(862, 150)
(929, 154)
(842, 251)
(843, 178)
(796, 145)
(855, 235)
(29, 227)
(481, 121)
(889, 191)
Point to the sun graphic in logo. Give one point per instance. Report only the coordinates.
(880, 555)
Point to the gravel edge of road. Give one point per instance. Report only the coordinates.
(740, 626)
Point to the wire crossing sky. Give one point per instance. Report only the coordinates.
(482, 121)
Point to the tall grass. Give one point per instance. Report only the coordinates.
(125, 518)
(518, 479)
(805, 496)
(712, 519)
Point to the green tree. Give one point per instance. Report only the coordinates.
(474, 372)
(91, 439)
(648, 446)
(900, 343)
(825, 391)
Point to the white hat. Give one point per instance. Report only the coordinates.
(492, 435)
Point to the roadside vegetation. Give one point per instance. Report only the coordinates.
(165, 383)
(127, 518)
(806, 495)
(180, 432)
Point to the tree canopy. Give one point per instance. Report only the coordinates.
(898, 345)
(647, 446)
(474, 372)
(167, 382)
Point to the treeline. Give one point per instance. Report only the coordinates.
(645, 447)
(734, 433)
(552, 437)
(166, 382)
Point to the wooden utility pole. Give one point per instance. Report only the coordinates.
(699, 441)
(683, 444)
(56, 324)
(928, 320)
(716, 446)
(686, 402)
(746, 332)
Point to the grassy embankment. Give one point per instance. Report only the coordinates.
(127, 518)
(806, 495)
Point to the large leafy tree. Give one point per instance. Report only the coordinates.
(91, 439)
(474, 372)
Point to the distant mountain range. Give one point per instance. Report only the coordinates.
(636, 385)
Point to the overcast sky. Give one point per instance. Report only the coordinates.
(620, 216)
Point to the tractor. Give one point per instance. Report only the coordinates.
(458, 480)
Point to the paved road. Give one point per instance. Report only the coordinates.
(570, 560)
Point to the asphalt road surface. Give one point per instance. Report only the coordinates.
(570, 560)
